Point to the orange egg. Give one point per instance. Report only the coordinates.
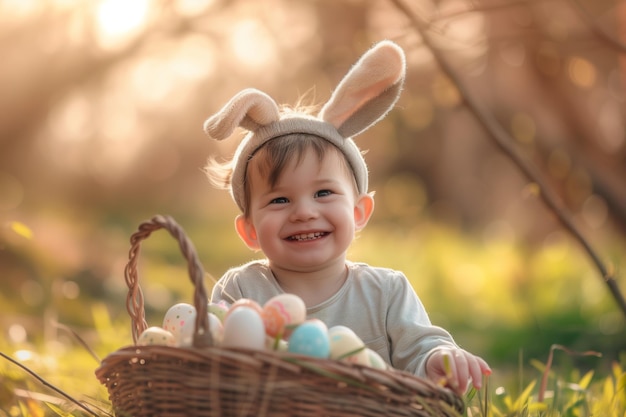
(281, 311)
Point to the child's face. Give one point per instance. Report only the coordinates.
(308, 219)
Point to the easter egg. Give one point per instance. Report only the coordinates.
(216, 328)
(375, 360)
(180, 320)
(156, 336)
(310, 338)
(347, 346)
(276, 344)
(220, 309)
(245, 302)
(281, 311)
(243, 327)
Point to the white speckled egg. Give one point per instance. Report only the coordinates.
(156, 336)
(180, 320)
(281, 311)
(347, 346)
(244, 328)
(310, 338)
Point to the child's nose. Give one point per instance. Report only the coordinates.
(303, 210)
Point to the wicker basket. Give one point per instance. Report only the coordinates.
(206, 380)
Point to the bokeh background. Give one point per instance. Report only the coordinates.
(101, 112)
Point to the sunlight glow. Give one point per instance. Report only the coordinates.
(469, 278)
(465, 29)
(12, 9)
(24, 355)
(17, 333)
(71, 121)
(114, 154)
(252, 45)
(192, 7)
(582, 72)
(70, 290)
(119, 20)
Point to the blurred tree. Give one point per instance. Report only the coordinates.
(103, 102)
(94, 100)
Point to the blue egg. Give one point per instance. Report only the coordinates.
(310, 338)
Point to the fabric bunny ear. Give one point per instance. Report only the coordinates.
(250, 109)
(362, 98)
(368, 91)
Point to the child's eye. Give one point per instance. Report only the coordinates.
(279, 200)
(323, 193)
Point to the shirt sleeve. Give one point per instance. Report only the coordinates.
(226, 288)
(412, 336)
(253, 280)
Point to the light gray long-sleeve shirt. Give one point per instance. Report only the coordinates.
(378, 304)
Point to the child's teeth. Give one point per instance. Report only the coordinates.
(307, 236)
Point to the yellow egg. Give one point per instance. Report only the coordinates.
(156, 336)
(375, 360)
(347, 346)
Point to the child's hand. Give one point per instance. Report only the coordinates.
(461, 367)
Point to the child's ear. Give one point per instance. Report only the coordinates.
(247, 232)
(363, 209)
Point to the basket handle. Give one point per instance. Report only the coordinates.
(134, 299)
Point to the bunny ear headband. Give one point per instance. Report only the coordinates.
(362, 98)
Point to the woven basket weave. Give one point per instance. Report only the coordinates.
(205, 380)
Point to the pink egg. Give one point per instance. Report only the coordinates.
(281, 311)
(244, 302)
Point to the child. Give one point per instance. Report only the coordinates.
(301, 184)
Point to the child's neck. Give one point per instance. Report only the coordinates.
(314, 287)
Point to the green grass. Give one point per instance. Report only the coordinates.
(535, 313)
(64, 385)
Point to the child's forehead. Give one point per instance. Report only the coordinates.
(290, 158)
(321, 159)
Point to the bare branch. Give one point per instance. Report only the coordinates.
(479, 8)
(596, 28)
(506, 143)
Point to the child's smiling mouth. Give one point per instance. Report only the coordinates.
(302, 237)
